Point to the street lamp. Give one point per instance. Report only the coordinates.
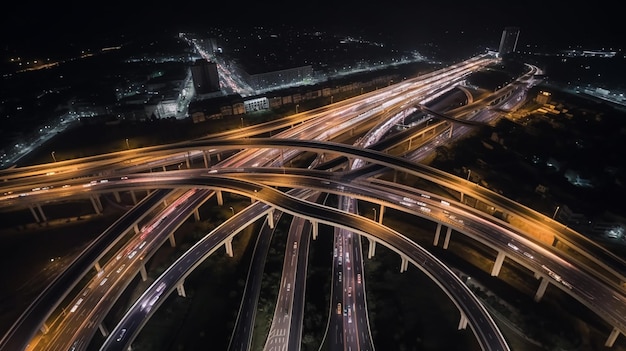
(297, 105)
(53, 158)
(232, 210)
(375, 216)
(127, 144)
(469, 173)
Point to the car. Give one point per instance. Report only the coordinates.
(289, 287)
(338, 307)
(121, 335)
(160, 287)
(76, 305)
(295, 245)
(121, 268)
(358, 278)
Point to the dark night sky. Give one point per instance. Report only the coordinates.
(36, 26)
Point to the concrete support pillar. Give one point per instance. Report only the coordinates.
(180, 288)
(94, 204)
(451, 128)
(116, 194)
(206, 161)
(382, 212)
(41, 214)
(612, 337)
(446, 240)
(270, 218)
(228, 244)
(372, 248)
(143, 271)
(164, 202)
(32, 211)
(462, 322)
(497, 265)
(132, 195)
(315, 229)
(97, 266)
(172, 240)
(96, 197)
(187, 160)
(196, 215)
(404, 265)
(136, 228)
(44, 329)
(103, 329)
(164, 169)
(437, 233)
(219, 157)
(541, 289)
(220, 198)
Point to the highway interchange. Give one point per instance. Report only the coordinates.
(253, 173)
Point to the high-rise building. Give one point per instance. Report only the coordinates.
(205, 77)
(508, 42)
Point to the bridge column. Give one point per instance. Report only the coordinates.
(219, 156)
(497, 265)
(446, 240)
(142, 271)
(116, 194)
(462, 322)
(103, 329)
(164, 169)
(32, 211)
(372, 248)
(451, 127)
(94, 204)
(612, 337)
(187, 160)
(437, 233)
(96, 197)
(220, 198)
(382, 211)
(315, 229)
(404, 265)
(180, 288)
(206, 161)
(541, 289)
(41, 214)
(228, 244)
(196, 215)
(270, 218)
(132, 195)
